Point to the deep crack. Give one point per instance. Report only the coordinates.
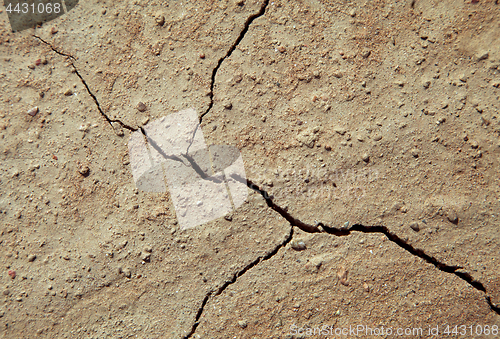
(345, 231)
(72, 58)
(318, 228)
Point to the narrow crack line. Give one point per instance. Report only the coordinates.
(235, 277)
(55, 50)
(243, 32)
(109, 120)
(71, 59)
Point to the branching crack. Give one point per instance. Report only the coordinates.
(72, 59)
(345, 231)
(318, 228)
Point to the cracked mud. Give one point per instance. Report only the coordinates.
(369, 132)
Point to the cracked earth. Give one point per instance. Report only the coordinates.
(370, 136)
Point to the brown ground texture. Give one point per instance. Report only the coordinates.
(370, 134)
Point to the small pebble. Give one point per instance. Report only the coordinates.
(118, 129)
(365, 157)
(160, 19)
(366, 287)
(482, 55)
(141, 107)
(126, 272)
(148, 249)
(242, 324)
(452, 216)
(414, 226)
(281, 49)
(84, 170)
(366, 53)
(298, 245)
(340, 130)
(202, 55)
(145, 256)
(12, 273)
(227, 104)
(474, 144)
(33, 111)
(54, 30)
(31, 257)
(68, 92)
(414, 152)
(342, 275)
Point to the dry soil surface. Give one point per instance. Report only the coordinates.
(370, 133)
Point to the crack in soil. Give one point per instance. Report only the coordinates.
(340, 232)
(318, 228)
(72, 59)
(346, 231)
(236, 275)
(243, 32)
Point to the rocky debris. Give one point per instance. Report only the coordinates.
(414, 226)
(31, 257)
